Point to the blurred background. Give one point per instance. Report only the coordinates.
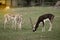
(27, 3)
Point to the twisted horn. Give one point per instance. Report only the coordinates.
(31, 22)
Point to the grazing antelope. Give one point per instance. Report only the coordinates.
(16, 19)
(43, 18)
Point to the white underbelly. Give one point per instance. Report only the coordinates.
(46, 20)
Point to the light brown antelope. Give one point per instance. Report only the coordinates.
(16, 19)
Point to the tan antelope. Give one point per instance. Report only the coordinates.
(16, 19)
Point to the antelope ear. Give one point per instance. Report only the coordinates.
(34, 25)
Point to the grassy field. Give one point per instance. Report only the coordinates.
(26, 32)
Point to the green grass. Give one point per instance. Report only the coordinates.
(26, 32)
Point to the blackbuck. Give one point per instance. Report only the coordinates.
(43, 19)
(16, 19)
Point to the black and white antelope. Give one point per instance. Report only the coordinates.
(43, 18)
(16, 19)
